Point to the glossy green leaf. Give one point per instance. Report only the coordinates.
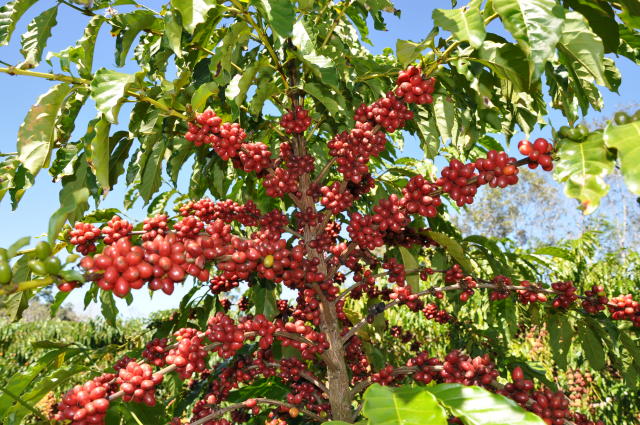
(173, 33)
(630, 12)
(36, 134)
(453, 248)
(536, 25)
(99, 152)
(580, 44)
(466, 24)
(202, 93)
(402, 406)
(10, 14)
(602, 21)
(327, 97)
(507, 61)
(264, 299)
(108, 307)
(86, 45)
(408, 51)
(193, 12)
(35, 39)
(583, 166)
(128, 27)
(560, 336)
(625, 139)
(151, 171)
(592, 347)
(477, 406)
(108, 89)
(266, 89)
(280, 14)
(410, 263)
(71, 203)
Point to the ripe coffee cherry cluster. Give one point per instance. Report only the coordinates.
(229, 140)
(86, 404)
(222, 329)
(121, 267)
(84, 235)
(567, 294)
(397, 273)
(295, 121)
(116, 229)
(155, 351)
(433, 312)
(308, 351)
(138, 383)
(353, 150)
(189, 354)
(280, 182)
(385, 376)
(388, 214)
(173, 259)
(596, 300)
(530, 296)
(363, 232)
(155, 226)
(460, 368)
(502, 291)
(425, 367)
(418, 197)
(455, 181)
(625, 307)
(202, 131)
(219, 284)
(413, 88)
(497, 170)
(202, 409)
(539, 152)
(389, 112)
(253, 157)
(334, 199)
(454, 274)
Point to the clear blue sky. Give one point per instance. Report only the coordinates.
(41, 201)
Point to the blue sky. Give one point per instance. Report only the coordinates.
(19, 93)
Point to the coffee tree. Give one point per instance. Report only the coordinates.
(280, 140)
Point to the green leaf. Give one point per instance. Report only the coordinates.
(280, 14)
(408, 51)
(72, 201)
(410, 263)
(477, 406)
(466, 24)
(36, 134)
(151, 171)
(536, 25)
(583, 166)
(10, 14)
(402, 406)
(327, 97)
(453, 248)
(630, 12)
(86, 46)
(173, 33)
(602, 21)
(264, 299)
(99, 152)
(240, 83)
(507, 61)
(35, 39)
(193, 12)
(625, 139)
(580, 44)
(108, 307)
(108, 89)
(269, 388)
(560, 336)
(266, 89)
(128, 26)
(592, 347)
